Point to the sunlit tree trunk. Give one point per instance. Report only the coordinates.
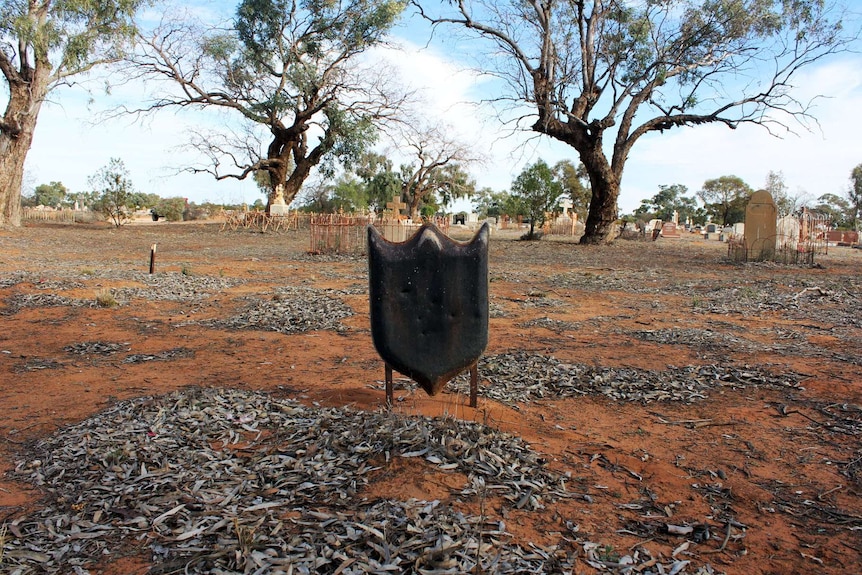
(605, 190)
(16, 137)
(13, 152)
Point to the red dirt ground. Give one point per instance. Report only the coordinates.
(769, 458)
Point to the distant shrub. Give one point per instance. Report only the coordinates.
(171, 209)
(195, 212)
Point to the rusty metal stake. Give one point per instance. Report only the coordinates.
(474, 385)
(153, 258)
(388, 387)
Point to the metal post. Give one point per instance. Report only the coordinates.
(388, 387)
(153, 259)
(474, 383)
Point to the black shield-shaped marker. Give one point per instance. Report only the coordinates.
(429, 303)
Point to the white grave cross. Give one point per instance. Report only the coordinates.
(566, 204)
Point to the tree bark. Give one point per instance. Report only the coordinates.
(599, 227)
(290, 150)
(605, 183)
(16, 137)
(413, 208)
(604, 177)
(11, 170)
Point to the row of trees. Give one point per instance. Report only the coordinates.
(431, 177)
(113, 195)
(536, 192)
(596, 75)
(724, 201)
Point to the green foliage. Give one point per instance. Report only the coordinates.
(435, 185)
(382, 183)
(838, 209)
(287, 56)
(114, 188)
(44, 45)
(171, 209)
(263, 181)
(575, 182)
(429, 182)
(141, 200)
(52, 195)
(429, 208)
(353, 136)
(347, 194)
(290, 68)
(601, 75)
(74, 33)
(725, 199)
(854, 195)
(194, 211)
(538, 191)
(668, 200)
(488, 203)
(451, 182)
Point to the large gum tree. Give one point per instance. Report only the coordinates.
(599, 75)
(292, 76)
(45, 45)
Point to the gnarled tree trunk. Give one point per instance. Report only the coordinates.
(289, 161)
(13, 152)
(16, 137)
(605, 188)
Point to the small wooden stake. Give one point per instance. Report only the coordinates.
(153, 259)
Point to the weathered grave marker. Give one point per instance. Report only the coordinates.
(395, 206)
(787, 233)
(669, 230)
(760, 224)
(429, 306)
(278, 207)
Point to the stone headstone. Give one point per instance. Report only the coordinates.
(566, 204)
(787, 233)
(653, 229)
(760, 223)
(669, 230)
(395, 206)
(279, 196)
(278, 210)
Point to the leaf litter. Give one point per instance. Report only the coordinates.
(230, 481)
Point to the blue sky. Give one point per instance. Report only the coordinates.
(69, 148)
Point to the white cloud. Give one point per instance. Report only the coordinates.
(815, 162)
(67, 148)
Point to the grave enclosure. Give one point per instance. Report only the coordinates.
(790, 239)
